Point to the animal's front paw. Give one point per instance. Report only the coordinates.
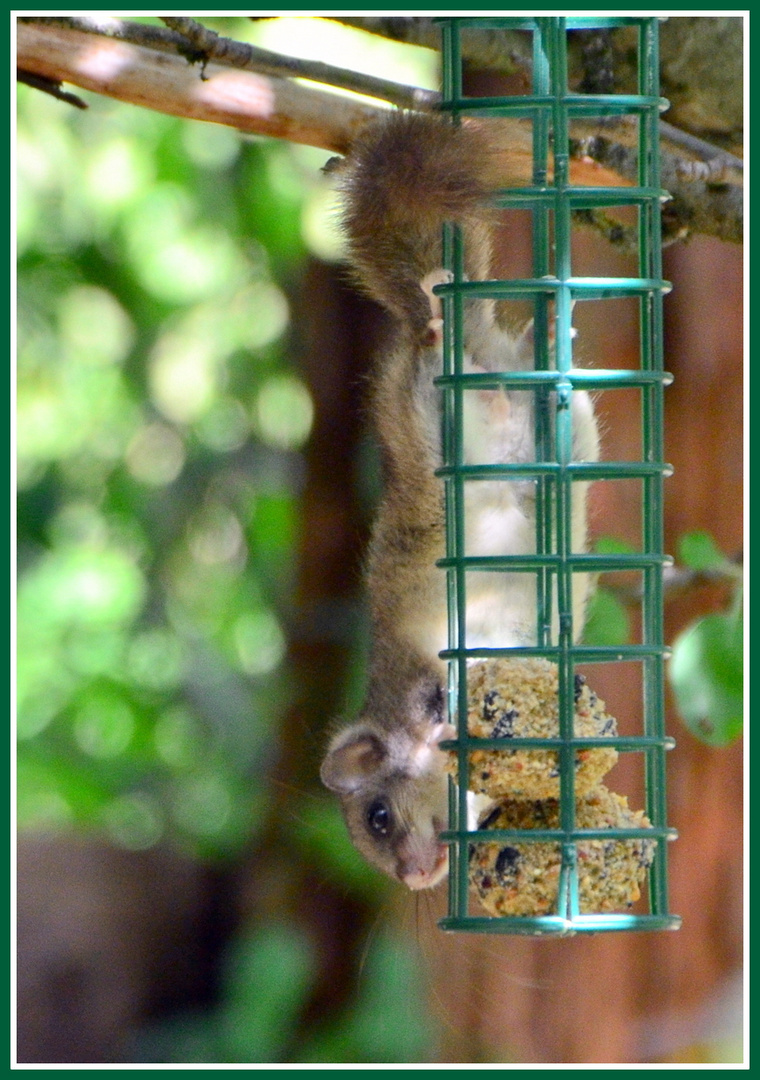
(429, 282)
(435, 323)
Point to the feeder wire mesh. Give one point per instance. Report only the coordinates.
(551, 199)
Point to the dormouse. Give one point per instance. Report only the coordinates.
(404, 177)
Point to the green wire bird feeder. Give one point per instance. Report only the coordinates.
(550, 200)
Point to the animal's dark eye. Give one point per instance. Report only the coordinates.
(379, 818)
(435, 703)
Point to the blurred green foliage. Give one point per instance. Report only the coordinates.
(706, 668)
(160, 424)
(607, 620)
(267, 977)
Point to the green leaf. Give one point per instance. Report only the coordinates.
(706, 673)
(699, 551)
(268, 976)
(607, 622)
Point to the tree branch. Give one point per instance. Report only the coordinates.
(505, 51)
(705, 188)
(197, 44)
(704, 181)
(152, 37)
(701, 62)
(242, 86)
(210, 46)
(158, 80)
(680, 580)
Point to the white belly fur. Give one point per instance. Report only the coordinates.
(500, 518)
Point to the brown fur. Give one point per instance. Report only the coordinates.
(405, 176)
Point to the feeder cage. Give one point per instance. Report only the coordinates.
(551, 291)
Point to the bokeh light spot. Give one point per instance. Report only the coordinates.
(155, 455)
(104, 726)
(259, 641)
(284, 412)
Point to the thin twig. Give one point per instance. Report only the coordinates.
(50, 86)
(252, 58)
(717, 161)
(504, 51)
(623, 237)
(677, 580)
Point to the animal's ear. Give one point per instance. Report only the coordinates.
(354, 756)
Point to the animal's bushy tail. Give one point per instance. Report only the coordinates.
(405, 175)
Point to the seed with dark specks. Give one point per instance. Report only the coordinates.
(504, 728)
(489, 708)
(507, 859)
